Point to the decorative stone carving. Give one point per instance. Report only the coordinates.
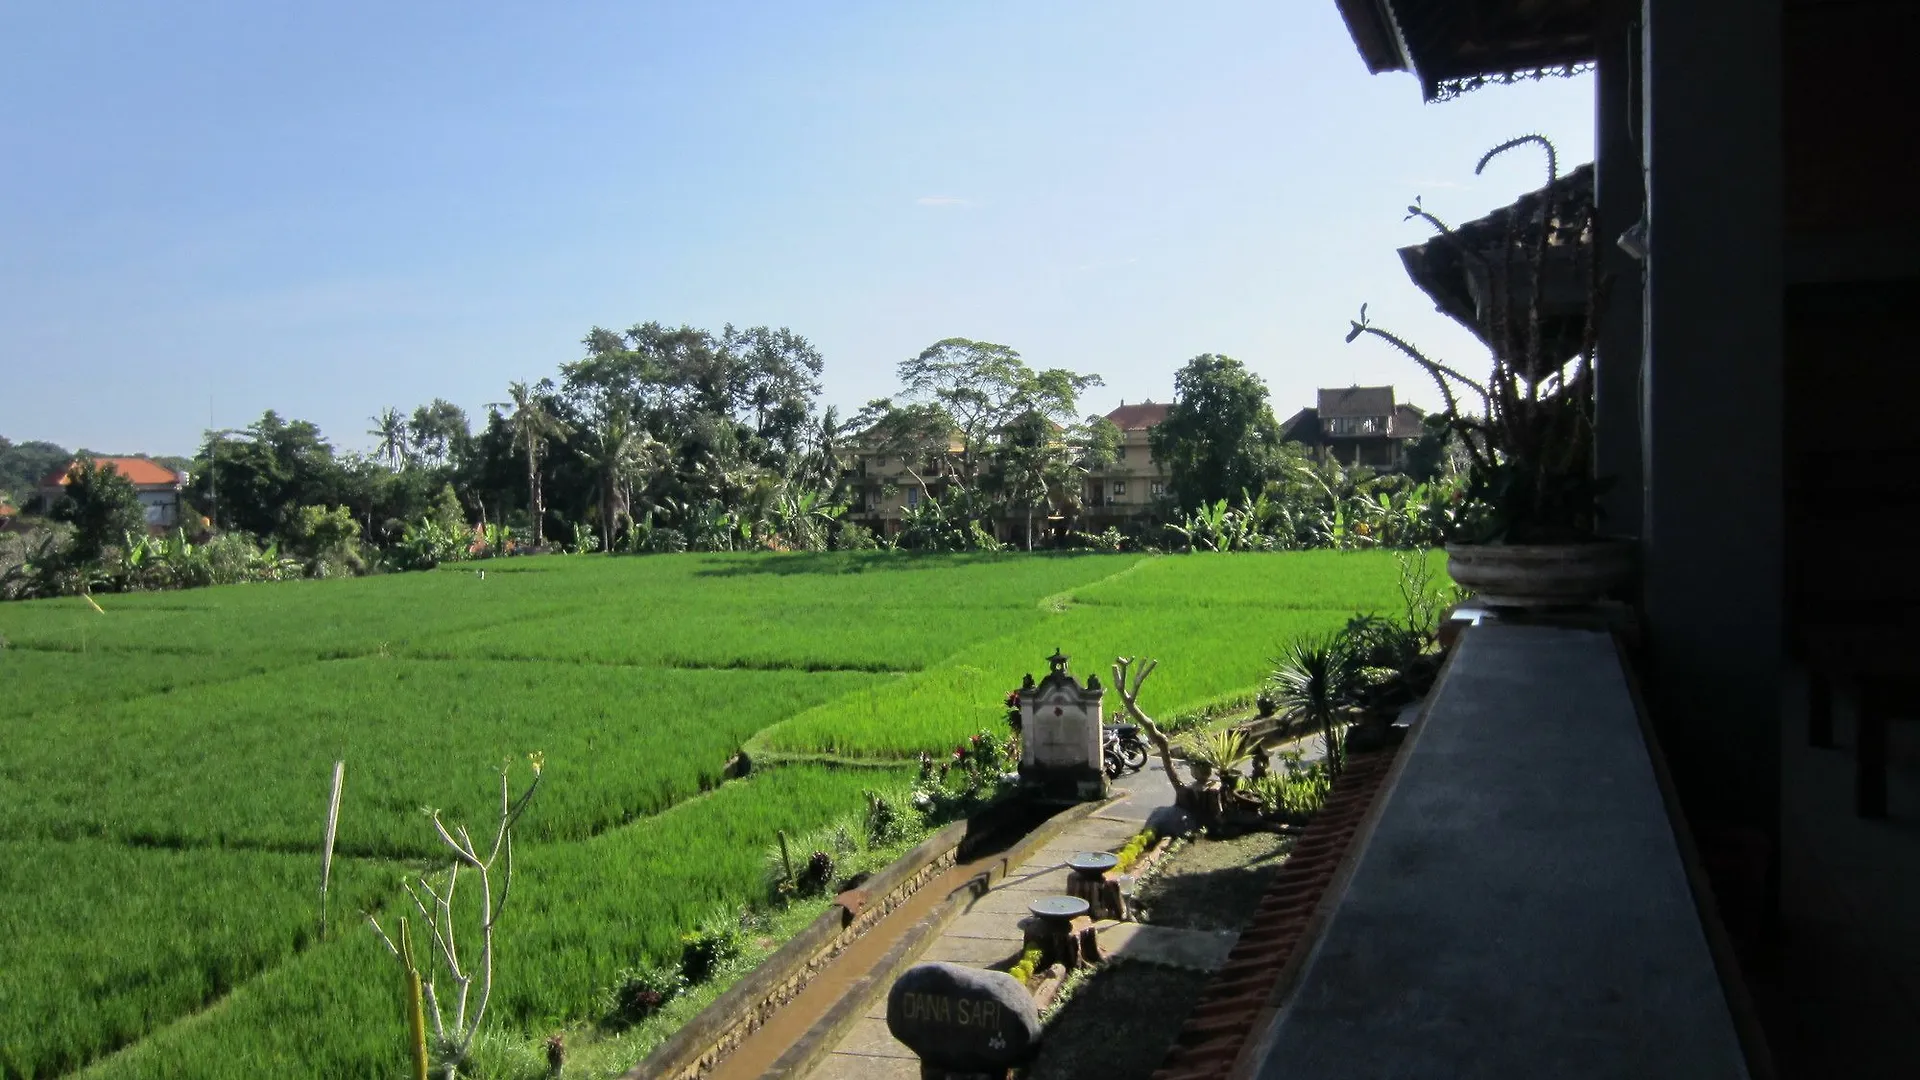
(1060, 735)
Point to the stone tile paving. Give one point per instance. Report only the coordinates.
(989, 931)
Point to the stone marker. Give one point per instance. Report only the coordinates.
(962, 1019)
(1171, 821)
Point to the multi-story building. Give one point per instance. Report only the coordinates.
(1360, 425)
(158, 487)
(1135, 484)
(885, 487)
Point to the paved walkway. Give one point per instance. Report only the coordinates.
(988, 932)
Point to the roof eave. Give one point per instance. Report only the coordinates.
(1371, 25)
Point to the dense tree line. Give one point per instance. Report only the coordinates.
(666, 438)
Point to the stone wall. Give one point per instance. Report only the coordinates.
(721, 1027)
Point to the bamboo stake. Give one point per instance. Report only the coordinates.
(326, 854)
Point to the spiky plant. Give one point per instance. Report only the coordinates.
(1531, 445)
(1314, 678)
(1219, 750)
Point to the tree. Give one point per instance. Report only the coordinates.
(391, 429)
(102, 506)
(327, 538)
(618, 450)
(982, 387)
(439, 429)
(826, 456)
(24, 465)
(533, 425)
(1219, 437)
(266, 472)
(919, 434)
(775, 377)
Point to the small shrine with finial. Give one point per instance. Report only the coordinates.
(1060, 735)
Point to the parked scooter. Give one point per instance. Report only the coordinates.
(1122, 750)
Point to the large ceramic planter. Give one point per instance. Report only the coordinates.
(1541, 575)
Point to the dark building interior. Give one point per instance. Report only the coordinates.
(1755, 391)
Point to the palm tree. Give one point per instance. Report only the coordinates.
(391, 429)
(1035, 462)
(533, 425)
(827, 458)
(618, 449)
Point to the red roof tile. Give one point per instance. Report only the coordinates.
(142, 472)
(1138, 417)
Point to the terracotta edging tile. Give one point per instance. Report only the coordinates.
(1224, 1017)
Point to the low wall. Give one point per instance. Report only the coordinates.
(1522, 905)
(716, 1030)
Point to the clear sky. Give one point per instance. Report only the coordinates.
(325, 209)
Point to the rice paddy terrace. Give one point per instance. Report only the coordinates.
(165, 764)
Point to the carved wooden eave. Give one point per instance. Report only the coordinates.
(1455, 272)
(1453, 46)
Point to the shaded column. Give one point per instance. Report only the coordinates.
(1712, 527)
(1618, 196)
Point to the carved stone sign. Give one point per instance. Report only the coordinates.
(963, 1019)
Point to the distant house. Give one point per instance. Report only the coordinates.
(1134, 483)
(1358, 425)
(884, 487)
(159, 488)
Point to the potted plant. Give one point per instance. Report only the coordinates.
(1526, 281)
(1216, 752)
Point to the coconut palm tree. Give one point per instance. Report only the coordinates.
(618, 450)
(391, 429)
(533, 424)
(827, 458)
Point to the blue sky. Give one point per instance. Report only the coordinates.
(326, 209)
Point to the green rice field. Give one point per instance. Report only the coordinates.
(165, 765)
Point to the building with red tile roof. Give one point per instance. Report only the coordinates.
(158, 487)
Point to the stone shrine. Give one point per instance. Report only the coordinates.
(1060, 736)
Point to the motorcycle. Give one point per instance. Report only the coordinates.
(1122, 749)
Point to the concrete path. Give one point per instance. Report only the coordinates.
(988, 932)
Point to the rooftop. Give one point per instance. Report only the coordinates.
(1453, 46)
(1138, 417)
(1356, 401)
(142, 472)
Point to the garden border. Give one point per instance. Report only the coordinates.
(817, 1042)
(717, 1030)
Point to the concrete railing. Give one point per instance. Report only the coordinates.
(1524, 903)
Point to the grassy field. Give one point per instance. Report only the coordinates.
(166, 764)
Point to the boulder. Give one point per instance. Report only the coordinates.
(962, 1019)
(1172, 821)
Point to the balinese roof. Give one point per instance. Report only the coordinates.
(1441, 268)
(1453, 46)
(1356, 401)
(1303, 426)
(1138, 417)
(142, 472)
(1407, 422)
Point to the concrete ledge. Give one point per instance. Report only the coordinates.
(1521, 905)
